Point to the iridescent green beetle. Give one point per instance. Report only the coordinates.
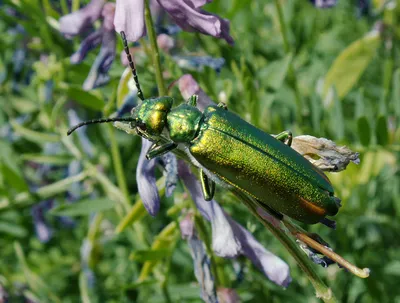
(229, 150)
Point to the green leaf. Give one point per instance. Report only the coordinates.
(10, 169)
(364, 130)
(350, 64)
(275, 73)
(84, 98)
(316, 112)
(123, 88)
(138, 284)
(338, 119)
(35, 282)
(393, 268)
(47, 159)
(12, 229)
(396, 92)
(360, 104)
(382, 135)
(83, 207)
(166, 239)
(34, 136)
(135, 213)
(150, 255)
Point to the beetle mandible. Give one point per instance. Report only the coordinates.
(229, 150)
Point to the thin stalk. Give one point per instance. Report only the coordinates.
(302, 236)
(84, 288)
(64, 7)
(75, 5)
(154, 50)
(164, 282)
(291, 71)
(322, 290)
(118, 167)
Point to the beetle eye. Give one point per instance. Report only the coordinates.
(141, 125)
(133, 110)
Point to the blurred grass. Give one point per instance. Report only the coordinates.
(326, 47)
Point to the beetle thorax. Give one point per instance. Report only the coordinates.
(183, 123)
(151, 115)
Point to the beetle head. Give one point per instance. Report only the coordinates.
(151, 115)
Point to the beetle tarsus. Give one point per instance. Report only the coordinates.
(329, 223)
(285, 137)
(158, 150)
(222, 105)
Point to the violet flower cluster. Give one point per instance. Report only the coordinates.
(78, 23)
(324, 3)
(129, 17)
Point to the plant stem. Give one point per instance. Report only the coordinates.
(119, 171)
(154, 50)
(75, 5)
(291, 71)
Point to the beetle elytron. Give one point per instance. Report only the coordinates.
(227, 149)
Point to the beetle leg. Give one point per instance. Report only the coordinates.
(222, 105)
(329, 223)
(207, 185)
(192, 100)
(158, 150)
(285, 137)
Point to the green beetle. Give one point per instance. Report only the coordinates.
(229, 150)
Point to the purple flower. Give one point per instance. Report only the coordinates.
(129, 17)
(201, 261)
(227, 295)
(43, 231)
(170, 165)
(83, 139)
(89, 43)
(324, 3)
(198, 62)
(189, 87)
(86, 252)
(75, 23)
(146, 180)
(165, 42)
(3, 294)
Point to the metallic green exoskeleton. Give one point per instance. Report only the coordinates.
(229, 150)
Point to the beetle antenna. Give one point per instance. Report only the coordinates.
(132, 65)
(95, 121)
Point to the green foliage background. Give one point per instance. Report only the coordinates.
(325, 48)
